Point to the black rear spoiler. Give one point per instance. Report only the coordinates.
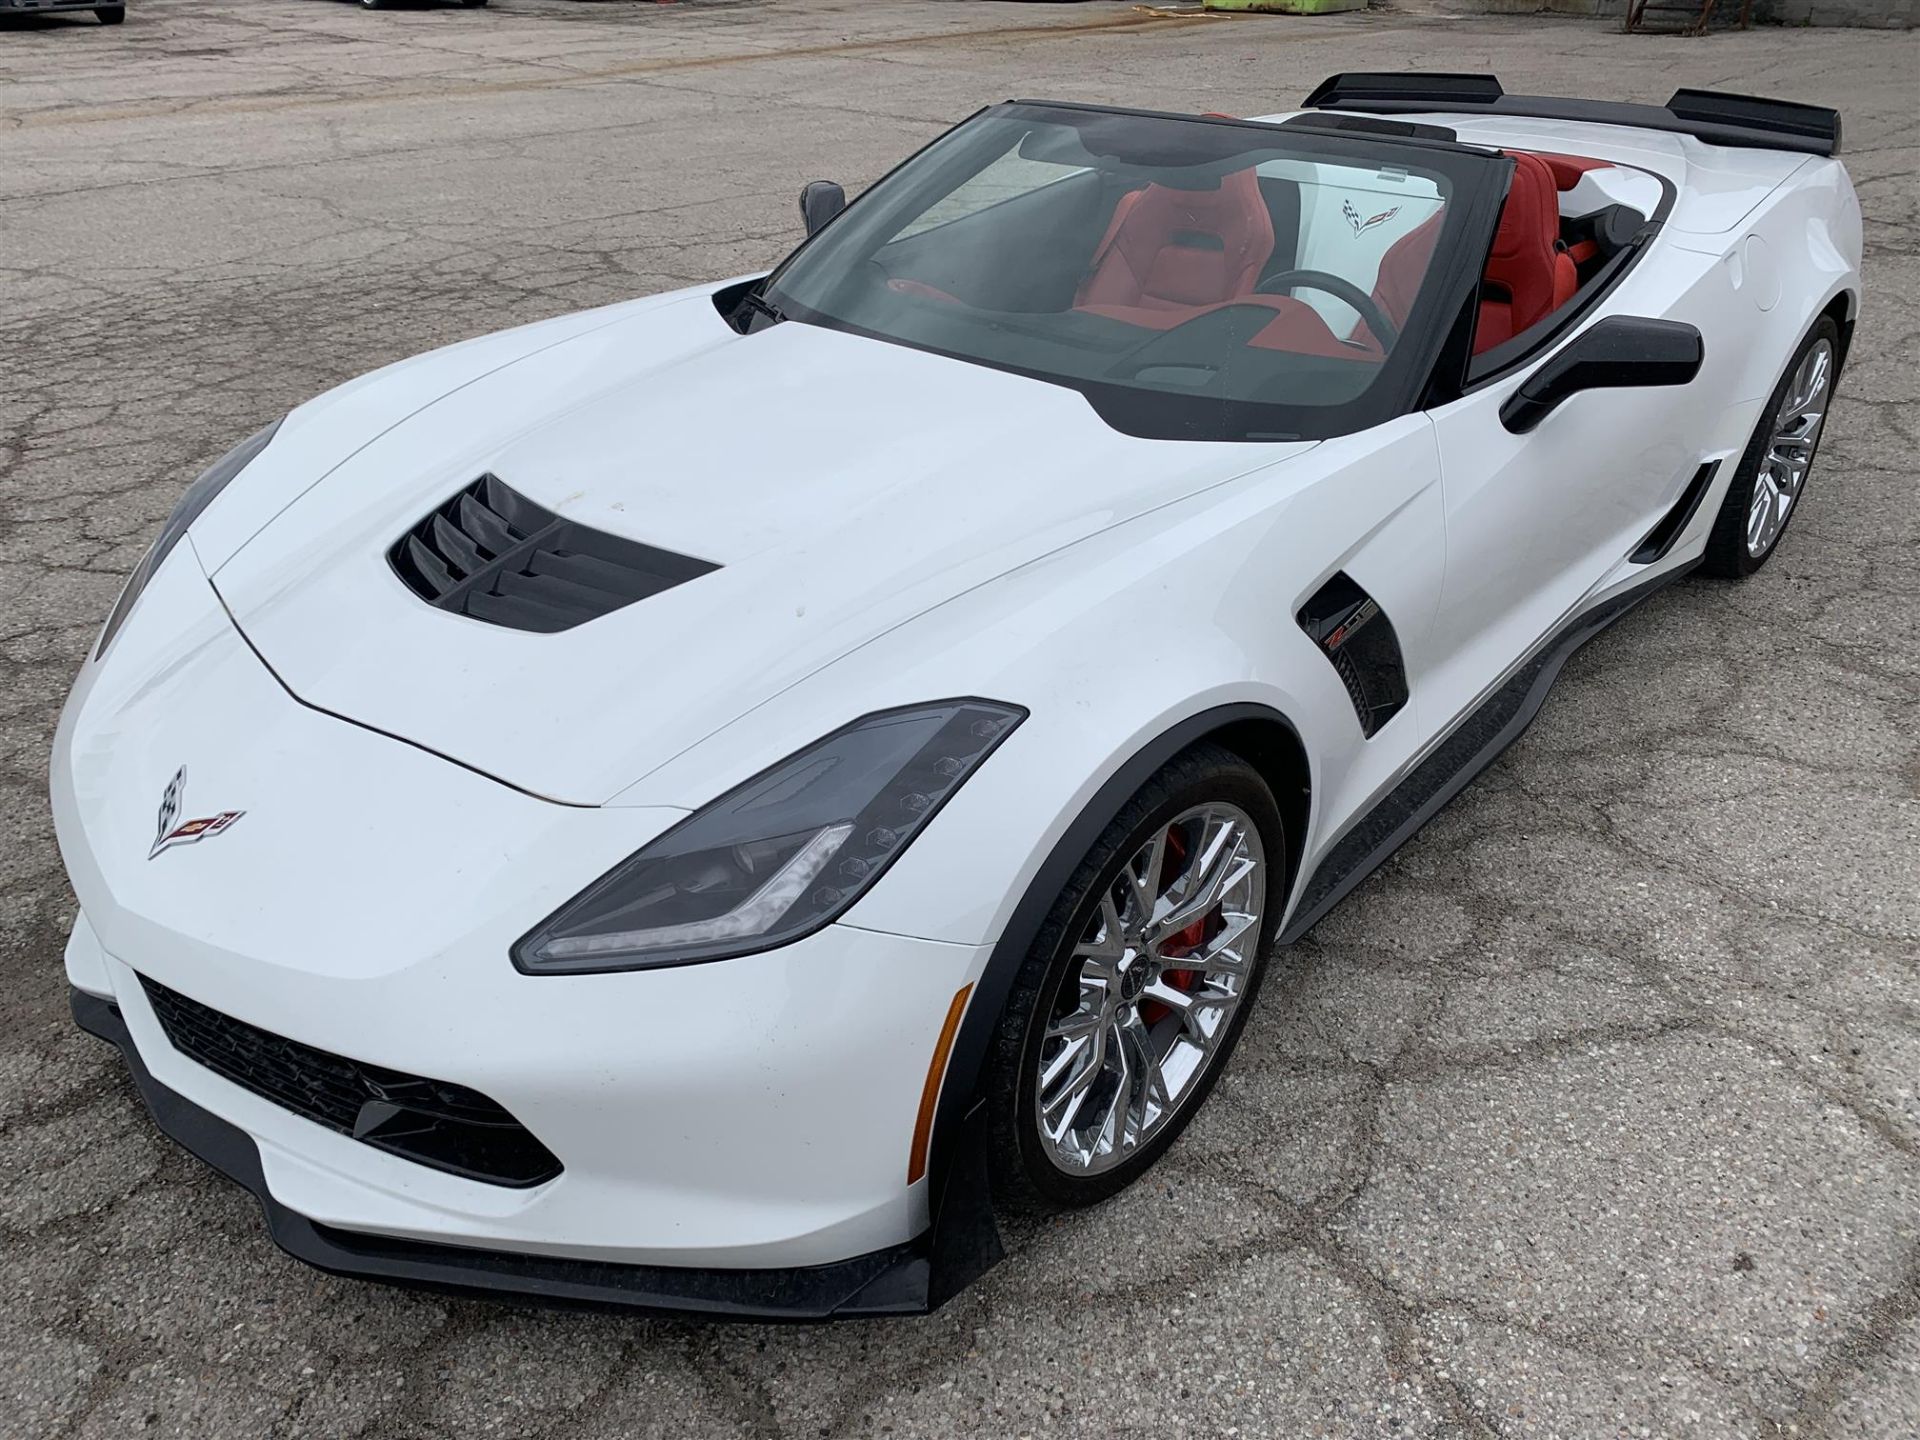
(1709, 115)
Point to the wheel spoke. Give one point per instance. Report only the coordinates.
(1143, 1076)
(1058, 1113)
(1113, 1126)
(1237, 923)
(1227, 869)
(1108, 942)
(1079, 1025)
(1190, 1007)
(1064, 1061)
(1145, 876)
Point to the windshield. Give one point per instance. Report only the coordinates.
(1194, 279)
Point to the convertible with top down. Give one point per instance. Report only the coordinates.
(703, 804)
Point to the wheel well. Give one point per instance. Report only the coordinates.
(1272, 748)
(1841, 310)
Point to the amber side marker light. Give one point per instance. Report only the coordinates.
(930, 1093)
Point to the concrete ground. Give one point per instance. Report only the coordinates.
(1597, 1113)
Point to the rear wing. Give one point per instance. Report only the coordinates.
(1709, 115)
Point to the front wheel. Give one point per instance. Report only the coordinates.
(111, 14)
(1138, 984)
(1766, 488)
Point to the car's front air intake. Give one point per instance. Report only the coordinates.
(495, 555)
(433, 1122)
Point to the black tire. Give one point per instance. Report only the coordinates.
(471, 4)
(1024, 1179)
(111, 14)
(373, 4)
(1727, 555)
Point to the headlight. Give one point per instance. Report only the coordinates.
(199, 495)
(781, 855)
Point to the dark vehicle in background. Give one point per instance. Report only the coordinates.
(109, 14)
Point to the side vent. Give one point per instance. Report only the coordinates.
(1674, 523)
(1358, 639)
(492, 554)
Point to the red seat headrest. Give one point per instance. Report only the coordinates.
(1567, 169)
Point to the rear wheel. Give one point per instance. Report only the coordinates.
(1137, 987)
(1773, 472)
(111, 14)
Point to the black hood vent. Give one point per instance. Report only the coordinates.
(495, 555)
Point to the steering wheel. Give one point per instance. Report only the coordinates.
(1384, 330)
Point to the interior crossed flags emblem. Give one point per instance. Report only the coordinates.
(1360, 226)
(167, 834)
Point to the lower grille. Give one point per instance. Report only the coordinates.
(431, 1122)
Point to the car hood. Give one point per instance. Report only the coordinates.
(840, 485)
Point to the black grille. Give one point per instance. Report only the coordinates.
(495, 555)
(433, 1122)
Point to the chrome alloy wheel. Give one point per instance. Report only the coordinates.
(1796, 431)
(1151, 989)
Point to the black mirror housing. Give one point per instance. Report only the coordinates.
(820, 201)
(1619, 352)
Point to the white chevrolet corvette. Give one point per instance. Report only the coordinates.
(695, 804)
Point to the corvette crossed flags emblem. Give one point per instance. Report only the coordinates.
(187, 832)
(1360, 226)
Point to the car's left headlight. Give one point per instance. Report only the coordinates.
(199, 495)
(777, 857)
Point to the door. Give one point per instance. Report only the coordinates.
(1536, 520)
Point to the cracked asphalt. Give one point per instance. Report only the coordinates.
(1595, 1113)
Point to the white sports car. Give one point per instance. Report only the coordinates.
(694, 804)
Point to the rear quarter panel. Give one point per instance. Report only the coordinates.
(1771, 276)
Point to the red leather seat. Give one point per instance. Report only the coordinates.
(1528, 275)
(1403, 270)
(1176, 250)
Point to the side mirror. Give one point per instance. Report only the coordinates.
(1620, 351)
(820, 201)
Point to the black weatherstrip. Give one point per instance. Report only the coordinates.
(1473, 745)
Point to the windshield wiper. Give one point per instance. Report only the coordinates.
(759, 304)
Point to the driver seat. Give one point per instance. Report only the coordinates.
(1177, 250)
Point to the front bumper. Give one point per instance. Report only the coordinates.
(907, 1279)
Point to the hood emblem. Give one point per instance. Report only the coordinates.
(167, 834)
